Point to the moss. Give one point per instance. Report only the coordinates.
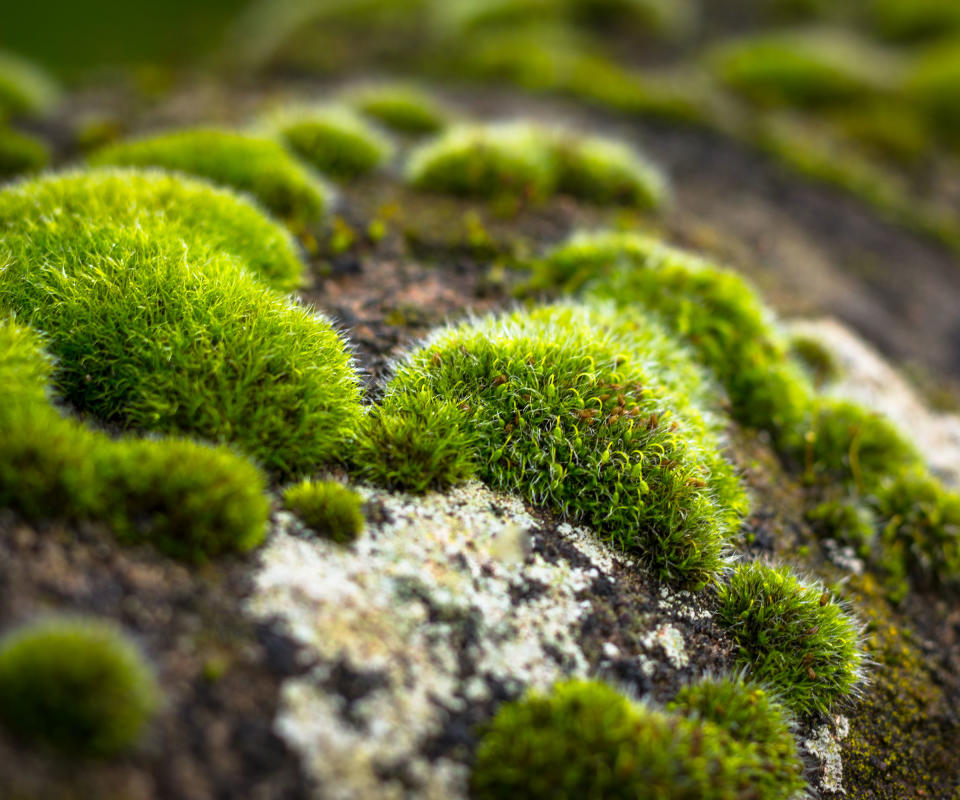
(751, 716)
(933, 83)
(850, 444)
(585, 740)
(257, 166)
(574, 414)
(607, 172)
(24, 87)
(77, 685)
(403, 108)
(818, 360)
(792, 636)
(75, 206)
(333, 139)
(189, 500)
(330, 509)
(20, 153)
(715, 310)
(920, 531)
(488, 161)
(414, 442)
(150, 336)
(848, 522)
(804, 68)
(913, 20)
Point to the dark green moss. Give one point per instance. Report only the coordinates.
(815, 357)
(77, 685)
(20, 153)
(414, 442)
(792, 636)
(330, 509)
(848, 522)
(24, 87)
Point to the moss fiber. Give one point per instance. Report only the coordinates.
(585, 740)
(328, 508)
(792, 636)
(151, 337)
(333, 139)
(77, 685)
(255, 165)
(570, 412)
(189, 500)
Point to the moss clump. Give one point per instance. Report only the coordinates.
(524, 162)
(920, 528)
(69, 209)
(913, 20)
(24, 88)
(753, 718)
(151, 337)
(933, 83)
(20, 153)
(712, 308)
(189, 500)
(333, 139)
(574, 414)
(403, 108)
(330, 509)
(489, 161)
(804, 68)
(258, 166)
(78, 685)
(414, 442)
(585, 740)
(819, 362)
(792, 636)
(853, 445)
(607, 172)
(846, 521)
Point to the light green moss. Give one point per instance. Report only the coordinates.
(20, 153)
(151, 336)
(792, 636)
(189, 500)
(333, 139)
(414, 442)
(404, 108)
(586, 417)
(328, 508)
(255, 165)
(24, 87)
(585, 740)
(77, 685)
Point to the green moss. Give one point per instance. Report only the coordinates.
(20, 153)
(819, 362)
(804, 68)
(24, 87)
(576, 415)
(933, 84)
(607, 172)
(920, 531)
(585, 740)
(792, 636)
(489, 161)
(846, 521)
(913, 20)
(414, 442)
(850, 444)
(403, 108)
(333, 139)
(150, 336)
(189, 500)
(715, 310)
(751, 716)
(78, 685)
(252, 164)
(76, 206)
(330, 509)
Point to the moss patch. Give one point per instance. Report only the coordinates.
(328, 508)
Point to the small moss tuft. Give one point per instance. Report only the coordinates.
(77, 685)
(333, 139)
(848, 522)
(330, 509)
(403, 108)
(24, 87)
(258, 166)
(20, 153)
(752, 717)
(571, 409)
(792, 636)
(814, 355)
(414, 442)
(585, 740)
